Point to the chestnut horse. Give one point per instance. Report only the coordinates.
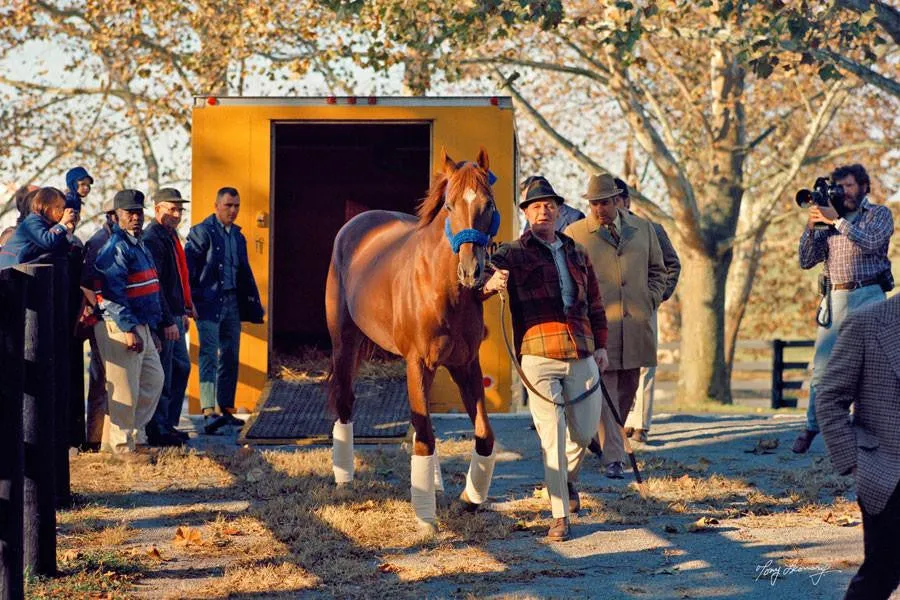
(410, 285)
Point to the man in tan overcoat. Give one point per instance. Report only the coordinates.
(629, 264)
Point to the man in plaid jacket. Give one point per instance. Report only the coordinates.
(864, 369)
(560, 334)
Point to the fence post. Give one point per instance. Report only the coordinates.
(777, 373)
(12, 447)
(39, 423)
(62, 346)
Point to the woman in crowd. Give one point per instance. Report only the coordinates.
(43, 231)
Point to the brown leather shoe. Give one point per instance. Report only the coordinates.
(559, 531)
(574, 499)
(804, 441)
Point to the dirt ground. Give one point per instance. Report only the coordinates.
(727, 511)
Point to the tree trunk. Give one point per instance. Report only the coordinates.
(703, 375)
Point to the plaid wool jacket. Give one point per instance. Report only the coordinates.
(541, 326)
(865, 369)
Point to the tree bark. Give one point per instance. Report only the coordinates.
(703, 376)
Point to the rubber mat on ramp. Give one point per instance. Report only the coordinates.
(297, 413)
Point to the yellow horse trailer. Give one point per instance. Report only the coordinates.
(305, 166)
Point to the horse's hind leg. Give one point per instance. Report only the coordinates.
(481, 466)
(346, 340)
(423, 462)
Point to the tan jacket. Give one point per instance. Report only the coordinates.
(632, 280)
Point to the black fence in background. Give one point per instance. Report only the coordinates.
(35, 391)
(779, 366)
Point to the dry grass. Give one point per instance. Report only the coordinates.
(310, 365)
(299, 533)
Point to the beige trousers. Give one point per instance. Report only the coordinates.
(641, 414)
(565, 432)
(621, 385)
(134, 382)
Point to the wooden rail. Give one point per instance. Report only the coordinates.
(35, 344)
(772, 385)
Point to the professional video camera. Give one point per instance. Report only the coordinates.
(824, 191)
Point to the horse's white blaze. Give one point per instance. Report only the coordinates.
(469, 195)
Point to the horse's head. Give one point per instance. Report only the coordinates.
(472, 217)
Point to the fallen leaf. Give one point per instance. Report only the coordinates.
(702, 524)
(230, 530)
(846, 521)
(388, 568)
(154, 553)
(367, 505)
(188, 536)
(70, 555)
(764, 446)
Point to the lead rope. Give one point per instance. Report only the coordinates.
(504, 308)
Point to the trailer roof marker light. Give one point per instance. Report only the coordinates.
(495, 101)
(372, 100)
(212, 101)
(351, 100)
(331, 100)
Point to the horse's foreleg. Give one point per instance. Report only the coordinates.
(423, 469)
(481, 467)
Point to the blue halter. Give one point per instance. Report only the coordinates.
(473, 236)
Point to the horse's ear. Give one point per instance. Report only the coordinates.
(483, 161)
(449, 163)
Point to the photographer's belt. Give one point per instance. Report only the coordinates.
(854, 285)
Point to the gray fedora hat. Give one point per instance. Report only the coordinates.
(602, 186)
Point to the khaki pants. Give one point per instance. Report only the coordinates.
(641, 414)
(134, 381)
(96, 397)
(621, 385)
(565, 432)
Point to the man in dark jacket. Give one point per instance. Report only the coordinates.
(161, 238)
(97, 400)
(224, 295)
(130, 305)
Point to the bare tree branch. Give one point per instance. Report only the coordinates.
(648, 206)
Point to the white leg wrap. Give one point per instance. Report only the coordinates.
(342, 452)
(438, 478)
(421, 476)
(478, 481)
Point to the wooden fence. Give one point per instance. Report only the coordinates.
(756, 382)
(35, 383)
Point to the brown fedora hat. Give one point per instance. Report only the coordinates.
(538, 188)
(601, 186)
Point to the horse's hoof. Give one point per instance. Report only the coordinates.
(425, 528)
(466, 504)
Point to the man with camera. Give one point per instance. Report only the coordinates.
(850, 235)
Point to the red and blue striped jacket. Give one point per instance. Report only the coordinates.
(129, 286)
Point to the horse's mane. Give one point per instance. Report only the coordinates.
(433, 201)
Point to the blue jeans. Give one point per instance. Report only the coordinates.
(176, 365)
(843, 302)
(220, 344)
